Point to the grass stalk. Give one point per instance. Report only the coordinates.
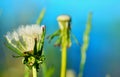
(39, 20)
(85, 45)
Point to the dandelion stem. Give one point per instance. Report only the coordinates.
(64, 53)
(63, 61)
(34, 71)
(64, 21)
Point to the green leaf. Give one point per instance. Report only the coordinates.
(50, 37)
(76, 40)
(58, 42)
(40, 16)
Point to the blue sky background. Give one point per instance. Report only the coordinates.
(103, 55)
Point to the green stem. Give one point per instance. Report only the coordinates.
(26, 71)
(83, 61)
(64, 24)
(34, 71)
(40, 17)
(64, 54)
(85, 45)
(63, 61)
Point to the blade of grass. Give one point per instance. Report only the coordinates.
(85, 45)
(40, 18)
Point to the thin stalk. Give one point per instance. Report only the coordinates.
(85, 45)
(34, 71)
(27, 71)
(64, 24)
(64, 53)
(39, 20)
(63, 61)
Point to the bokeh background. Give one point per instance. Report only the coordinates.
(103, 55)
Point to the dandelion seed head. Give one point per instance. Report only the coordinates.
(25, 36)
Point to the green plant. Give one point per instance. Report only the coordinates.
(85, 45)
(27, 42)
(63, 40)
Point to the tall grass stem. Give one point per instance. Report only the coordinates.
(85, 44)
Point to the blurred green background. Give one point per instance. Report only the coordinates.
(103, 55)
